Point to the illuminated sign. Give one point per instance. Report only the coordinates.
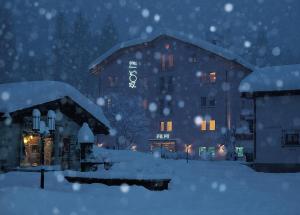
(162, 136)
(132, 73)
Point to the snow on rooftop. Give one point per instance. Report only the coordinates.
(177, 35)
(22, 95)
(277, 78)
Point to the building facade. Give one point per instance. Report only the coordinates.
(188, 90)
(276, 95)
(39, 123)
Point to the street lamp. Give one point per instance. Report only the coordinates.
(42, 130)
(187, 148)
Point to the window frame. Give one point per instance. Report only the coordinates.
(286, 132)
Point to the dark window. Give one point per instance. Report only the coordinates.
(167, 61)
(291, 138)
(211, 101)
(162, 84)
(250, 123)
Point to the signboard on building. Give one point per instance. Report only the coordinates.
(132, 72)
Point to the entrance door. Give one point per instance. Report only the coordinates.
(66, 153)
(32, 150)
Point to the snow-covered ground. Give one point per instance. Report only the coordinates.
(199, 187)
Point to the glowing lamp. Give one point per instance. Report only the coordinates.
(36, 119)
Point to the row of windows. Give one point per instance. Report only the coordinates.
(210, 77)
(208, 125)
(166, 126)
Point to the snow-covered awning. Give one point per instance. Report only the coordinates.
(22, 95)
(272, 79)
(179, 36)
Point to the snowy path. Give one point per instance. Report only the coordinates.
(197, 188)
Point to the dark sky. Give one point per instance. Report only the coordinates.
(279, 18)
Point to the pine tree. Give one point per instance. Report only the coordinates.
(80, 52)
(7, 44)
(259, 50)
(61, 49)
(108, 36)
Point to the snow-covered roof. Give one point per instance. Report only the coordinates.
(177, 35)
(268, 79)
(85, 134)
(22, 95)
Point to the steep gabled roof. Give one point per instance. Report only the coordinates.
(272, 79)
(22, 95)
(179, 36)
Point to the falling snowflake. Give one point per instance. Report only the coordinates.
(213, 28)
(5, 96)
(149, 29)
(152, 107)
(101, 101)
(156, 18)
(198, 120)
(118, 117)
(247, 44)
(145, 13)
(276, 51)
(228, 7)
(124, 188)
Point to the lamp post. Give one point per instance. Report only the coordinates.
(187, 147)
(42, 130)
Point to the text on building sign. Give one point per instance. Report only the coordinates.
(132, 73)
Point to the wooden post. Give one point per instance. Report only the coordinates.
(42, 182)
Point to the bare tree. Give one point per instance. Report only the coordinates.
(128, 116)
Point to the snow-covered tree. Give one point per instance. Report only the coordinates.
(108, 35)
(7, 44)
(128, 118)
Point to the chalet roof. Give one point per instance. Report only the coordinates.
(23, 95)
(270, 79)
(180, 36)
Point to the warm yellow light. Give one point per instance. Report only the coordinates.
(212, 125)
(212, 77)
(25, 140)
(203, 125)
(162, 126)
(169, 126)
(31, 137)
(188, 148)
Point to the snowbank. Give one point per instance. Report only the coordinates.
(200, 187)
(127, 164)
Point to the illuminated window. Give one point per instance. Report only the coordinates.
(203, 125)
(169, 126)
(239, 151)
(167, 46)
(212, 125)
(162, 126)
(212, 77)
